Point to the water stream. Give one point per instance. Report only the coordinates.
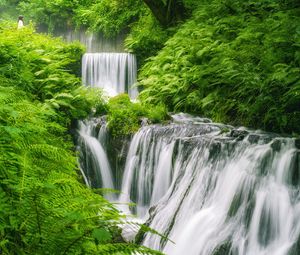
(113, 72)
(94, 42)
(105, 64)
(210, 188)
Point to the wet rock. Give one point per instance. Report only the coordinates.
(214, 149)
(238, 134)
(223, 249)
(295, 170)
(117, 149)
(140, 236)
(144, 227)
(253, 138)
(145, 122)
(276, 145)
(295, 249)
(297, 143)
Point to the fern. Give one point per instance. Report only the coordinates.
(45, 207)
(232, 61)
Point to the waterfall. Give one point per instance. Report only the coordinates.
(93, 157)
(105, 65)
(114, 72)
(212, 189)
(94, 42)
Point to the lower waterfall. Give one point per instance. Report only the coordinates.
(211, 189)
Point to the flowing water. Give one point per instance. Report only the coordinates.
(105, 65)
(98, 171)
(94, 42)
(114, 72)
(209, 188)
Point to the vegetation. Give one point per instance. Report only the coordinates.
(99, 16)
(167, 12)
(109, 17)
(235, 62)
(146, 38)
(126, 117)
(45, 207)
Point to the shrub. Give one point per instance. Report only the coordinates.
(235, 62)
(125, 117)
(45, 207)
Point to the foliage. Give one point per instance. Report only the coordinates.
(8, 9)
(45, 68)
(234, 61)
(146, 38)
(109, 16)
(53, 14)
(125, 117)
(45, 208)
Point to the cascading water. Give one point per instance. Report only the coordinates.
(97, 168)
(214, 190)
(94, 42)
(114, 72)
(105, 65)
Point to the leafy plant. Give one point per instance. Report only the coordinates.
(235, 62)
(146, 37)
(45, 207)
(125, 117)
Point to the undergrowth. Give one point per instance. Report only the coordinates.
(126, 117)
(45, 207)
(235, 61)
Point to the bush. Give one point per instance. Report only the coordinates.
(45, 207)
(125, 117)
(146, 38)
(235, 62)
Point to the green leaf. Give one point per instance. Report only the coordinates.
(101, 235)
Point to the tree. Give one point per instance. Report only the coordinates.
(167, 12)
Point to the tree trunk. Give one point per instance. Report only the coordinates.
(167, 14)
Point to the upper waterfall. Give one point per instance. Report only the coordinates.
(105, 65)
(94, 42)
(114, 72)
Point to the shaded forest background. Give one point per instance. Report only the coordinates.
(233, 61)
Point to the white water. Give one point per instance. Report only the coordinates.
(94, 42)
(204, 219)
(115, 73)
(99, 166)
(214, 193)
(105, 65)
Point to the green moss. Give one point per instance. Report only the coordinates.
(125, 117)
